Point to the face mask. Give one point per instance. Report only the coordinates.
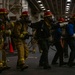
(26, 19)
(49, 19)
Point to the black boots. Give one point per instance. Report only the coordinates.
(45, 66)
(4, 68)
(1, 69)
(60, 64)
(22, 66)
(71, 64)
(54, 63)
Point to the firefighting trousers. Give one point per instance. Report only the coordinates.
(22, 51)
(2, 55)
(44, 45)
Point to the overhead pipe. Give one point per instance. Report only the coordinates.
(61, 7)
(47, 4)
(57, 6)
(33, 4)
(52, 6)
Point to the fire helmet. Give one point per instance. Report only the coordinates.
(3, 11)
(61, 20)
(47, 13)
(25, 13)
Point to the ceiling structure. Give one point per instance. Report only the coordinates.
(59, 8)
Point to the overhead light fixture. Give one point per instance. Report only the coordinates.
(67, 9)
(41, 5)
(66, 12)
(39, 1)
(44, 9)
(68, 4)
(66, 16)
(68, 0)
(48, 10)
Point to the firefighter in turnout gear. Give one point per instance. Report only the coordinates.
(42, 36)
(49, 22)
(20, 34)
(3, 33)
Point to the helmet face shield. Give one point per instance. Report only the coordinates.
(48, 16)
(4, 17)
(26, 19)
(49, 19)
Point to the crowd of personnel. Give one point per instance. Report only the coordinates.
(46, 32)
